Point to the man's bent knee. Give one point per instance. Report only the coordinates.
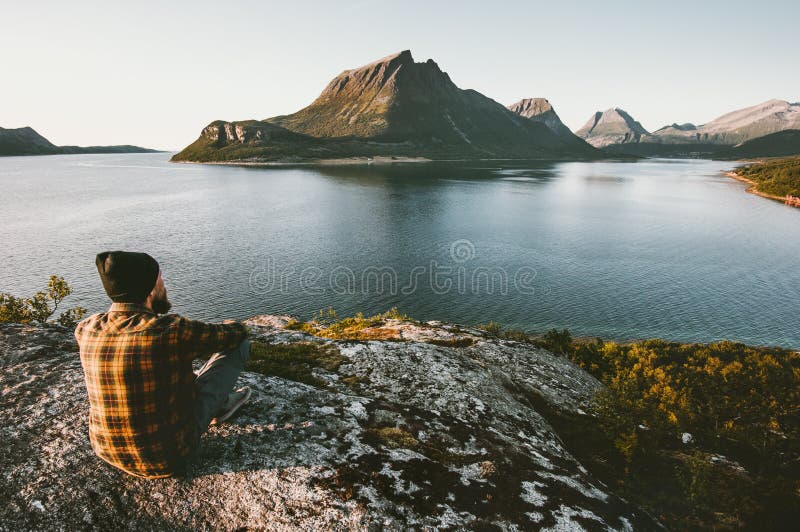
(244, 350)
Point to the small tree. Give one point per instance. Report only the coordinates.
(557, 341)
(492, 328)
(41, 306)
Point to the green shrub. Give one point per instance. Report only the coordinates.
(41, 306)
(13, 309)
(516, 335)
(492, 328)
(557, 341)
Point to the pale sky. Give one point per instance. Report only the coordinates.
(154, 73)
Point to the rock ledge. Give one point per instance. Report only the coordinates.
(435, 428)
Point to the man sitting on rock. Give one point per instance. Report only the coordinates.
(147, 407)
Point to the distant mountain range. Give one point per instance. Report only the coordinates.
(397, 109)
(393, 107)
(26, 141)
(733, 133)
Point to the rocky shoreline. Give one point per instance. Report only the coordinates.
(428, 426)
(344, 161)
(387, 160)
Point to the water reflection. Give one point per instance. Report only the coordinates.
(616, 249)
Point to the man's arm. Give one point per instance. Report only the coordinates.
(198, 338)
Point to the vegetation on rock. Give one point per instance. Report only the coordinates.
(327, 324)
(704, 435)
(295, 361)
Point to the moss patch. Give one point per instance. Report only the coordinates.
(452, 342)
(294, 361)
(353, 381)
(302, 326)
(393, 437)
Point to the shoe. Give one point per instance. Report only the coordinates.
(235, 400)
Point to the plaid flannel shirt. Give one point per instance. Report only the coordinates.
(138, 369)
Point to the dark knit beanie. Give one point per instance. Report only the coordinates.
(128, 277)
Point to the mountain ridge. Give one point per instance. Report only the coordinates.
(740, 125)
(719, 136)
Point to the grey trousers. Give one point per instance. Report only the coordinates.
(215, 381)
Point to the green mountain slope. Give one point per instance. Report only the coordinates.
(781, 144)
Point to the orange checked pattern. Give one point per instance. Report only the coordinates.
(138, 368)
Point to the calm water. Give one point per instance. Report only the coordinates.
(667, 248)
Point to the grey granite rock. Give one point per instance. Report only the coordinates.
(405, 434)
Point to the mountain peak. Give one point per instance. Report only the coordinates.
(357, 102)
(616, 114)
(612, 126)
(399, 58)
(530, 107)
(541, 110)
(688, 126)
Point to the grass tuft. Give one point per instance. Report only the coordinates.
(394, 437)
(327, 324)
